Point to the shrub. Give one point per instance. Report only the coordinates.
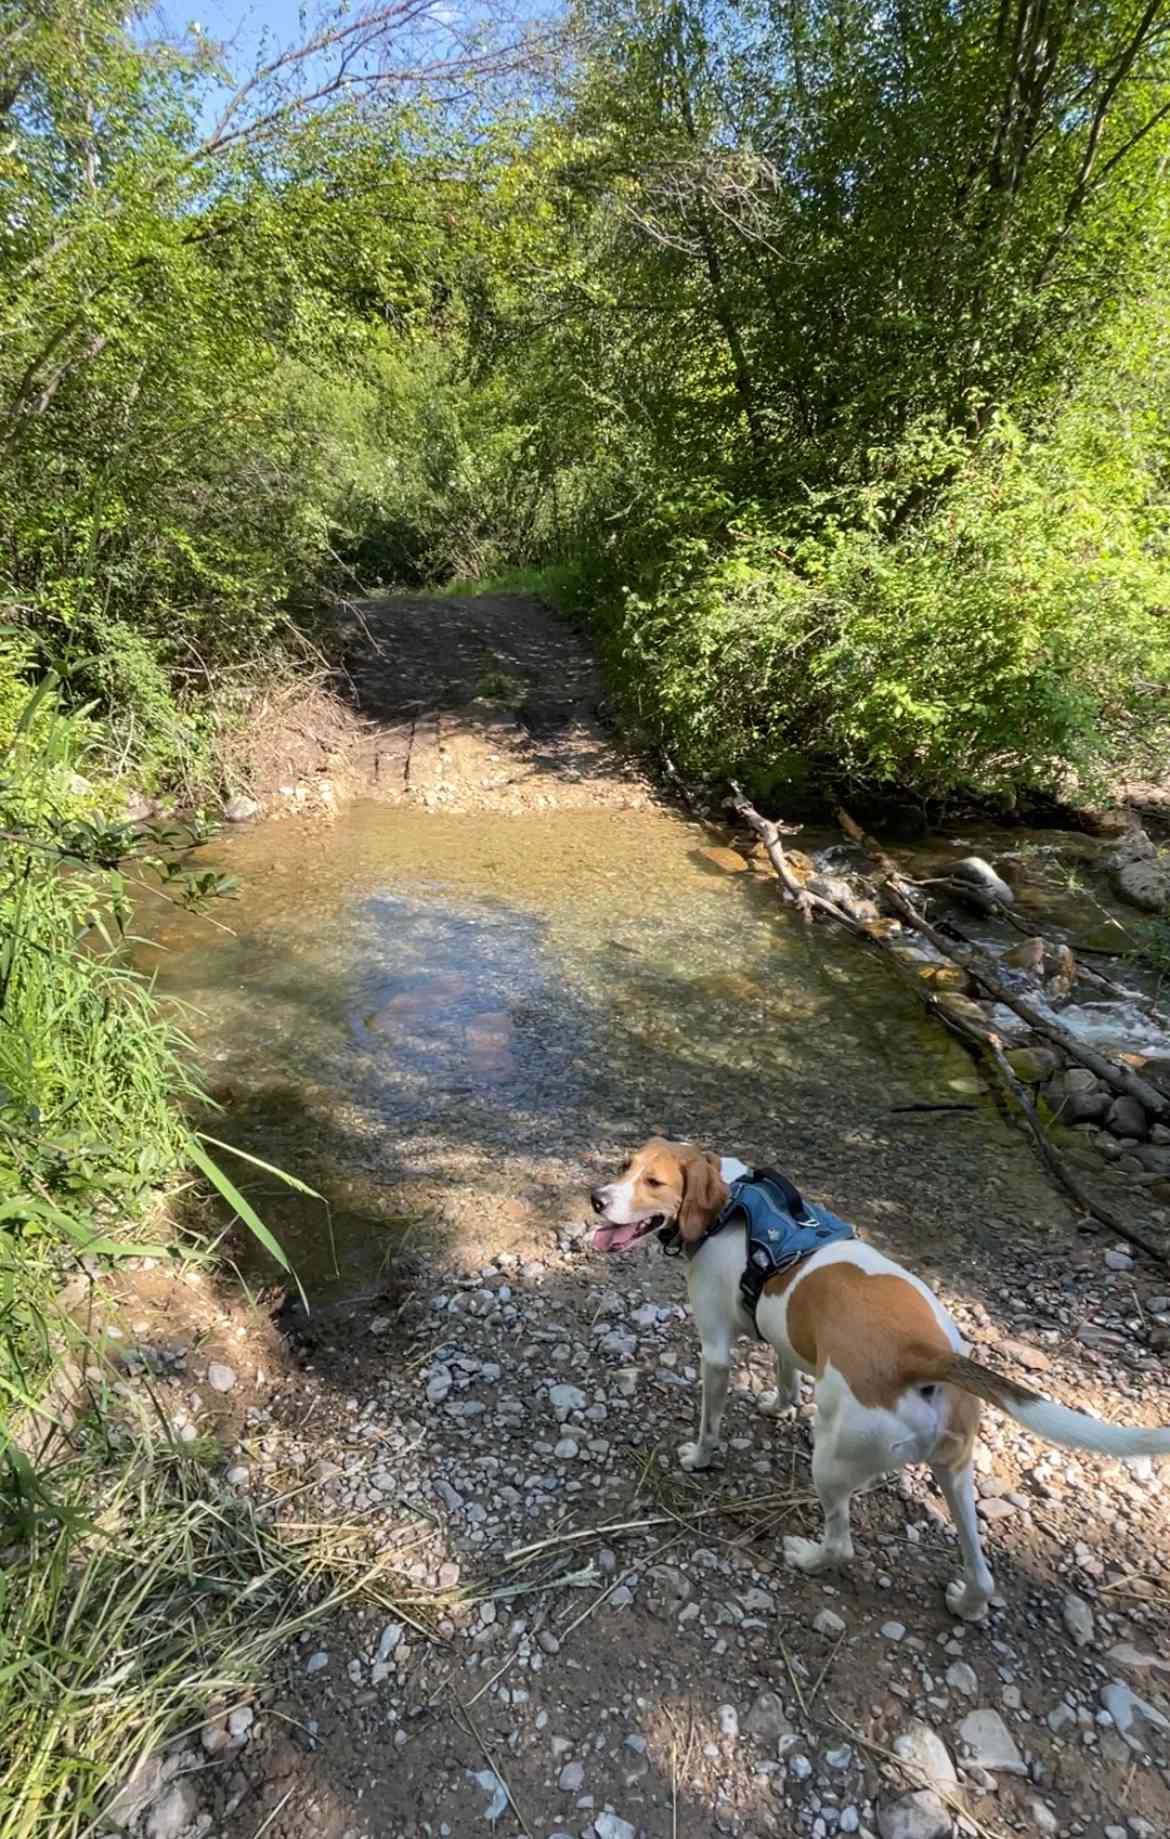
(1006, 639)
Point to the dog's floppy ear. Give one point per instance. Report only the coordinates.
(704, 1195)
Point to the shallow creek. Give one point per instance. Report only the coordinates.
(448, 1022)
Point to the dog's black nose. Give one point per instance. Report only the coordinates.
(597, 1200)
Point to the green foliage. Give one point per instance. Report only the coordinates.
(1002, 643)
(94, 1076)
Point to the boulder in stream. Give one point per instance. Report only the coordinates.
(1075, 1096)
(1139, 874)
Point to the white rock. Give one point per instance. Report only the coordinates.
(1078, 1619)
(893, 1631)
(1125, 1654)
(828, 1622)
(766, 1719)
(144, 1786)
(316, 1661)
(608, 1826)
(219, 1377)
(989, 1737)
(239, 809)
(571, 1778)
(920, 1815)
(172, 1813)
(925, 1750)
(566, 1449)
(214, 1738)
(1042, 1817)
(1124, 1706)
(241, 1721)
(564, 1399)
(388, 1640)
(963, 1678)
(239, 1476)
(728, 1721)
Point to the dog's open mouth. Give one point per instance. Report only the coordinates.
(617, 1238)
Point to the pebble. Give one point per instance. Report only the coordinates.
(893, 1631)
(172, 1813)
(920, 1815)
(239, 1476)
(728, 1721)
(239, 809)
(1118, 1261)
(767, 1720)
(608, 1825)
(963, 1678)
(389, 1639)
(1078, 1619)
(566, 1448)
(240, 1722)
(994, 1747)
(219, 1377)
(1023, 1355)
(571, 1778)
(564, 1399)
(996, 1509)
(316, 1661)
(1042, 1817)
(1124, 1706)
(828, 1622)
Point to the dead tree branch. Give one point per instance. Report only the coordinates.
(981, 968)
(983, 1041)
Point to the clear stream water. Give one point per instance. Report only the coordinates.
(452, 1021)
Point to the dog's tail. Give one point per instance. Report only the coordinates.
(1051, 1423)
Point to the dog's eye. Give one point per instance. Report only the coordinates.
(652, 1182)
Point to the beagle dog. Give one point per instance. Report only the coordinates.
(894, 1384)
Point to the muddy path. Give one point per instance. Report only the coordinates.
(449, 1006)
(477, 704)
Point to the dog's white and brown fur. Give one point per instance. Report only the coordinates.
(893, 1381)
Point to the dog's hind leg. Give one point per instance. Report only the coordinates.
(967, 1596)
(716, 1373)
(786, 1397)
(853, 1446)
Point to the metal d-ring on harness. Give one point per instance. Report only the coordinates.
(782, 1228)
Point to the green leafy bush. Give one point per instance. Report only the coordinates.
(1003, 640)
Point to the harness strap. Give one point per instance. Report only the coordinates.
(782, 1229)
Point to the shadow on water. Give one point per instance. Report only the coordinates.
(452, 1021)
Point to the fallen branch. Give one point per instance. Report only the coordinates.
(978, 965)
(983, 1040)
(806, 903)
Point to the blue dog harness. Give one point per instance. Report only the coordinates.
(782, 1228)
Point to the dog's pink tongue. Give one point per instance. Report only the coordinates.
(613, 1238)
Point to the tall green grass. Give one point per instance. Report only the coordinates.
(135, 1593)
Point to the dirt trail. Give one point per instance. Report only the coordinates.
(652, 1670)
(482, 704)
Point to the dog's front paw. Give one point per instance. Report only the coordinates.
(694, 1456)
(968, 1604)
